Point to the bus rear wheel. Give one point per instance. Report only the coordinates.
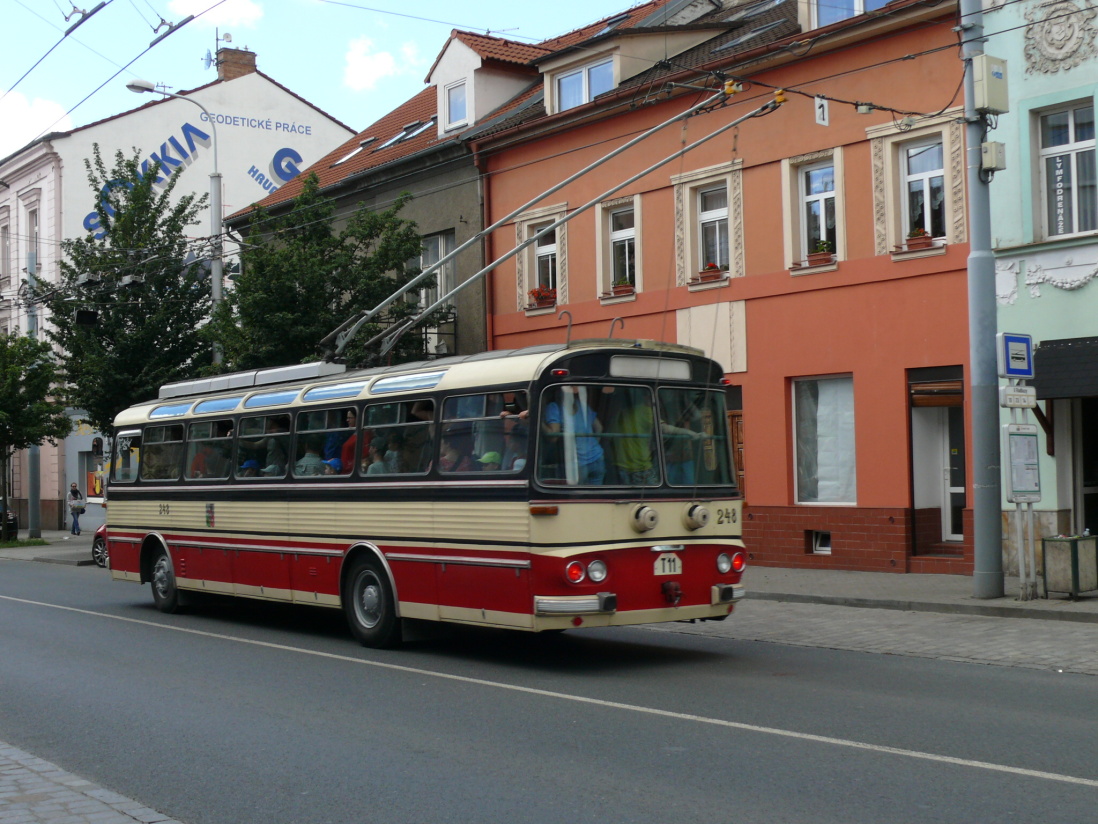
(369, 605)
(165, 592)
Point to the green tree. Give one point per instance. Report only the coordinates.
(150, 301)
(301, 278)
(30, 412)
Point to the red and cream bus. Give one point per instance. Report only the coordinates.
(559, 486)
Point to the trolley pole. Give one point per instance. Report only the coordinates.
(987, 573)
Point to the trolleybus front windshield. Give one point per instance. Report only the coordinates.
(627, 435)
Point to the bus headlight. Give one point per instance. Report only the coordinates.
(596, 571)
(695, 516)
(724, 563)
(645, 518)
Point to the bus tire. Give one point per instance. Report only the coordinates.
(165, 592)
(370, 606)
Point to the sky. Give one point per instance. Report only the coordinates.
(355, 59)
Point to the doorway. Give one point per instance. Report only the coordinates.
(938, 458)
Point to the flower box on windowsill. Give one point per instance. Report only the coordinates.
(708, 275)
(543, 303)
(819, 258)
(619, 289)
(918, 242)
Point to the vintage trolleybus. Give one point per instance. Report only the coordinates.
(559, 486)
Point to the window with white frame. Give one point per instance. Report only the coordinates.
(623, 248)
(924, 187)
(545, 258)
(918, 182)
(713, 226)
(1068, 182)
(32, 233)
(456, 105)
(5, 255)
(823, 436)
(436, 247)
(818, 223)
(582, 85)
(826, 12)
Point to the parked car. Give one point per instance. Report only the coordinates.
(99, 546)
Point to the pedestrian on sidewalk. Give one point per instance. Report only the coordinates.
(76, 507)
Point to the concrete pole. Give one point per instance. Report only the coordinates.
(987, 575)
(34, 457)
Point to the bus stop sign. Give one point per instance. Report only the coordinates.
(1014, 354)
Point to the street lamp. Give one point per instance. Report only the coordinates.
(140, 87)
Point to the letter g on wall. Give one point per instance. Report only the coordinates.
(284, 164)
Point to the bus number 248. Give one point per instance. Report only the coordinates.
(726, 516)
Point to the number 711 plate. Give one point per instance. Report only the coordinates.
(668, 563)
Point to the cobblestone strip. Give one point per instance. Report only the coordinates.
(33, 791)
(1008, 642)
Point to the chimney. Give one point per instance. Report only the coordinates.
(234, 63)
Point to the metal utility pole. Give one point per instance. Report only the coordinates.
(34, 457)
(987, 574)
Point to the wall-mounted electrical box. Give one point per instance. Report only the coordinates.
(992, 156)
(990, 93)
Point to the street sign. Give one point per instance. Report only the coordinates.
(1014, 354)
(1025, 475)
(1017, 397)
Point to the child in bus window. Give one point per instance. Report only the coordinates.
(490, 462)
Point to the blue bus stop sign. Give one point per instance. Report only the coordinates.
(1014, 354)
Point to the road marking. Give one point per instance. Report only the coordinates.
(597, 702)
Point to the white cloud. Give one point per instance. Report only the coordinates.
(364, 68)
(24, 119)
(230, 13)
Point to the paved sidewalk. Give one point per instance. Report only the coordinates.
(33, 791)
(950, 594)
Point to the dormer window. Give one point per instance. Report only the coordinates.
(613, 23)
(410, 130)
(832, 12)
(582, 85)
(456, 106)
(362, 145)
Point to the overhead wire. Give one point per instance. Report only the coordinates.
(755, 81)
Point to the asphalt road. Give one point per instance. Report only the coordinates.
(246, 712)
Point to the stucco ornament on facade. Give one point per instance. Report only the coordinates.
(1006, 282)
(1059, 37)
(1068, 275)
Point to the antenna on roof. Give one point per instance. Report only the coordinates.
(208, 60)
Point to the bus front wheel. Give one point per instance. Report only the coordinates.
(165, 592)
(370, 606)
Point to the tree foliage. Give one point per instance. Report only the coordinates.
(301, 278)
(30, 413)
(151, 296)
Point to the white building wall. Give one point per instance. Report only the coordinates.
(264, 134)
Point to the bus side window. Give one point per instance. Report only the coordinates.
(163, 453)
(397, 438)
(325, 442)
(262, 446)
(126, 460)
(208, 449)
(485, 419)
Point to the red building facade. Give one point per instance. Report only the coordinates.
(818, 251)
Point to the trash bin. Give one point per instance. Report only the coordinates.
(1070, 564)
(9, 527)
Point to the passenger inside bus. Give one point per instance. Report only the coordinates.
(571, 423)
